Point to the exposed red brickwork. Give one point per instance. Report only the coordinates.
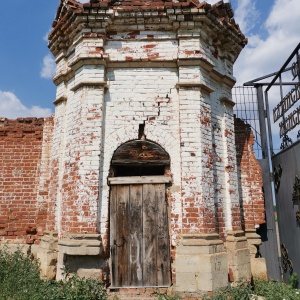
(253, 211)
(236, 217)
(75, 165)
(76, 209)
(22, 218)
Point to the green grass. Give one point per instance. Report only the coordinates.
(273, 290)
(20, 280)
(270, 290)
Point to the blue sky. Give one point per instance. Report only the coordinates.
(23, 25)
(26, 66)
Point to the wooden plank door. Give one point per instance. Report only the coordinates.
(139, 237)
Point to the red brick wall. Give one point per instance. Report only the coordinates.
(21, 213)
(250, 177)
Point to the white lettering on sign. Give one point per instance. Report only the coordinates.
(286, 103)
(290, 122)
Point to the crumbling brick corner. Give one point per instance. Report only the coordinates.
(251, 194)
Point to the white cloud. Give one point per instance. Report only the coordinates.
(11, 107)
(246, 15)
(45, 37)
(266, 55)
(49, 67)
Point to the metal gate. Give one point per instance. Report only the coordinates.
(248, 107)
(286, 163)
(287, 189)
(280, 161)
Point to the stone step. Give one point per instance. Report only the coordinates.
(136, 293)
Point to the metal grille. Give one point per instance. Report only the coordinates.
(246, 108)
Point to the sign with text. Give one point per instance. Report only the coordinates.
(293, 119)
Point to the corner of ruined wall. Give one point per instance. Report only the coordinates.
(44, 175)
(251, 194)
(250, 177)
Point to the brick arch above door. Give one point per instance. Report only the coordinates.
(157, 135)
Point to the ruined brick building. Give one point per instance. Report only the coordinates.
(142, 177)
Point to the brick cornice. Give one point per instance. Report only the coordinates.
(197, 85)
(73, 17)
(59, 100)
(74, 66)
(101, 84)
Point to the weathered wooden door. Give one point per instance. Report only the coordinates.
(139, 235)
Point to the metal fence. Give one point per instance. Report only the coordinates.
(246, 108)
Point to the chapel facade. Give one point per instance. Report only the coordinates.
(140, 177)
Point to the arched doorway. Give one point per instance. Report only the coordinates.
(139, 234)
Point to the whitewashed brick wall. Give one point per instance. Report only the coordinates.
(170, 79)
